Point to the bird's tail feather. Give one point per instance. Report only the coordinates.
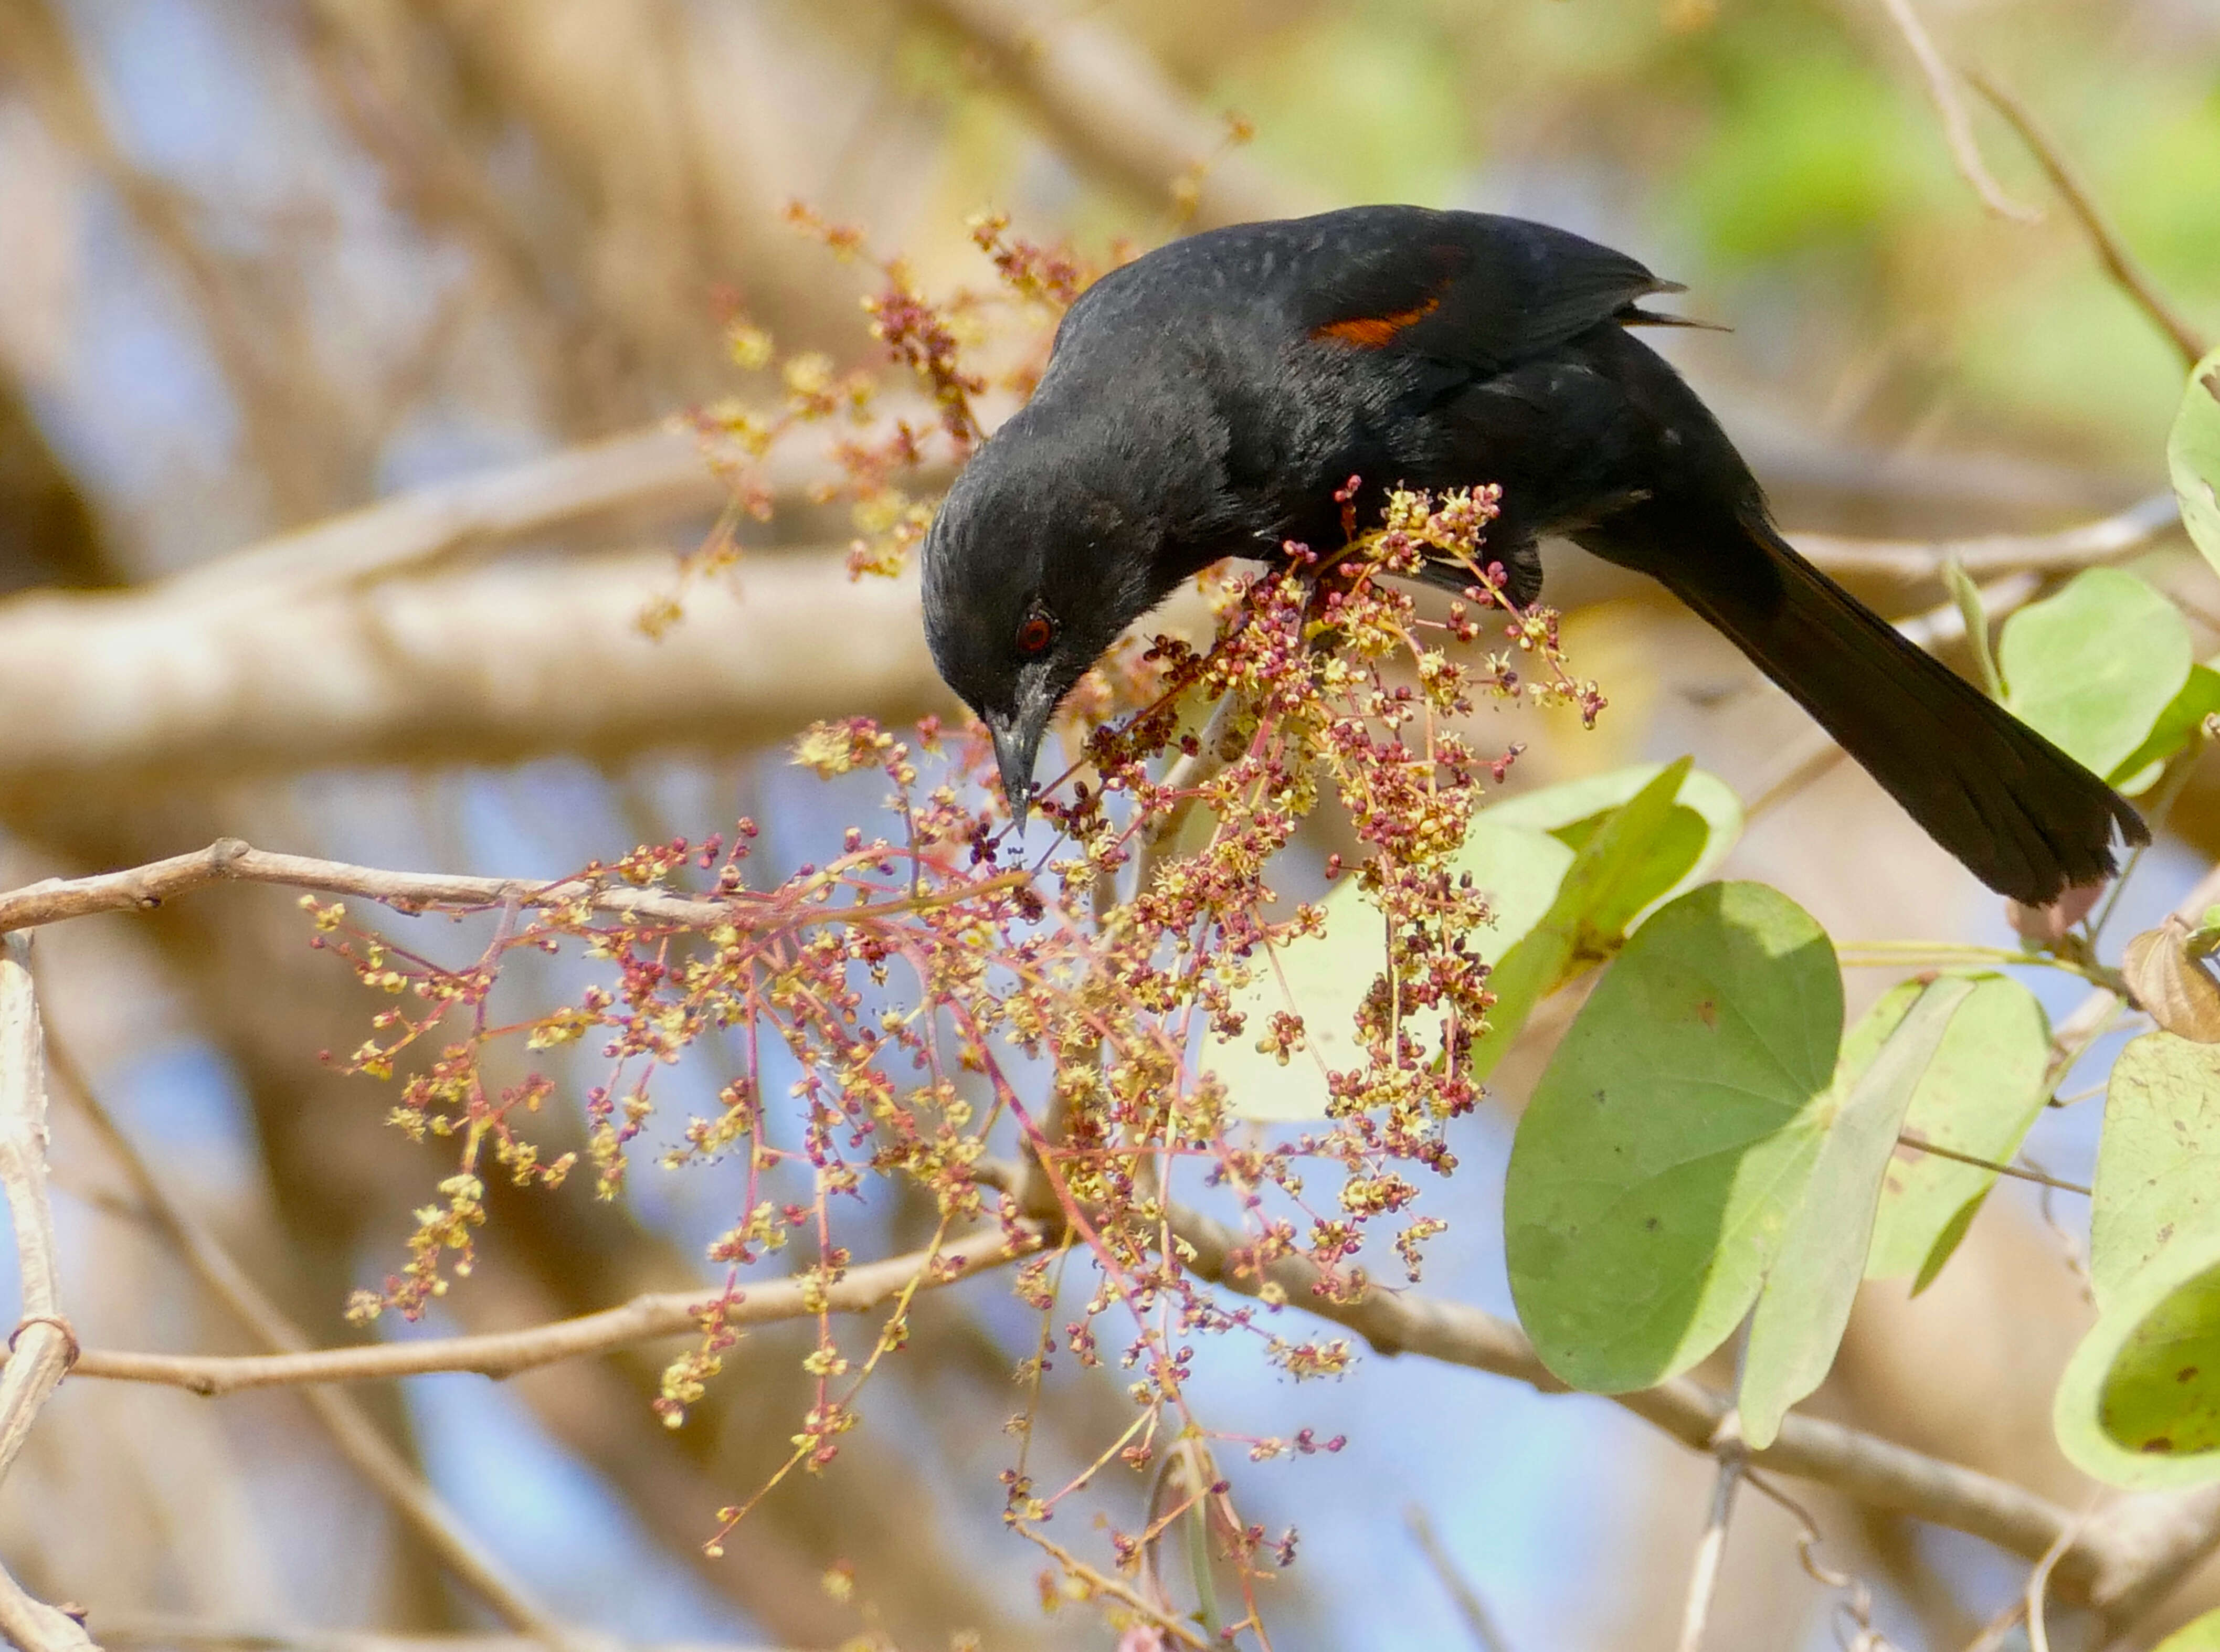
(2024, 818)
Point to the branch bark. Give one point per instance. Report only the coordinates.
(2126, 271)
(142, 888)
(2115, 1564)
(371, 1453)
(2082, 546)
(1114, 111)
(161, 1630)
(43, 1345)
(503, 1354)
(1957, 124)
(110, 691)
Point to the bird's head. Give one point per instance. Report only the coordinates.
(1034, 564)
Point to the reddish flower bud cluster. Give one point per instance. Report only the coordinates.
(925, 1005)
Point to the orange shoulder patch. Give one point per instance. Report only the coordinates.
(1371, 332)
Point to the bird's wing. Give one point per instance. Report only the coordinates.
(1479, 291)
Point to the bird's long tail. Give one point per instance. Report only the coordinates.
(2024, 818)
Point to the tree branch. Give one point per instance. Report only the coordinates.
(503, 1354)
(2117, 1563)
(161, 1630)
(43, 1345)
(2121, 264)
(358, 1440)
(2082, 546)
(228, 860)
(108, 691)
(1957, 125)
(1113, 109)
(659, 473)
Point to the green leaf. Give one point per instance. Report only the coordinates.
(1655, 1172)
(2096, 666)
(1520, 854)
(2192, 455)
(1618, 869)
(2139, 1405)
(1800, 1313)
(1980, 1095)
(2178, 726)
(1706, 808)
(1324, 979)
(2198, 1635)
(2157, 1161)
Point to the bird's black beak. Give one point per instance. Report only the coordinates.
(1017, 742)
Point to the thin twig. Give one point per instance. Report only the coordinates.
(43, 1345)
(34, 1626)
(160, 1630)
(1859, 1606)
(1920, 1143)
(1111, 109)
(500, 1354)
(2120, 264)
(1479, 1623)
(1993, 1633)
(2085, 545)
(142, 888)
(2038, 1580)
(1957, 124)
(1859, 1465)
(1711, 1547)
(358, 1438)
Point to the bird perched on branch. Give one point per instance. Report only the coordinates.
(1209, 399)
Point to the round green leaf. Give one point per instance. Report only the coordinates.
(1706, 813)
(2180, 723)
(2192, 456)
(1806, 1304)
(1623, 864)
(2157, 1161)
(2096, 666)
(1979, 1095)
(1655, 1171)
(2139, 1405)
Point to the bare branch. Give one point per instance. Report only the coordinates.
(34, 1626)
(503, 1354)
(2113, 1563)
(1957, 124)
(43, 1345)
(660, 473)
(109, 691)
(1711, 1547)
(160, 1630)
(1874, 1471)
(358, 1438)
(142, 888)
(2121, 264)
(1113, 109)
(656, 475)
(2083, 546)
(2018, 1173)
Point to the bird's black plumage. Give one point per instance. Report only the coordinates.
(1206, 401)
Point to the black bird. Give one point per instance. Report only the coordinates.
(1207, 399)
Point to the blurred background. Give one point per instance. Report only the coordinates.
(338, 343)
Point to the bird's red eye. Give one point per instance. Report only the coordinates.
(1036, 633)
